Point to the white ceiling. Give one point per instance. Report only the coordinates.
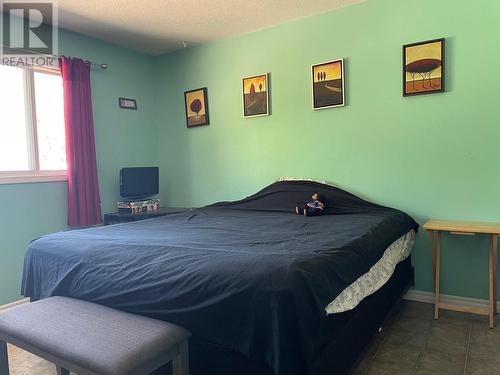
(159, 26)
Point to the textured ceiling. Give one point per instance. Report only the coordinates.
(159, 26)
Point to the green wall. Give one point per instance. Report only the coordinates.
(123, 137)
(433, 156)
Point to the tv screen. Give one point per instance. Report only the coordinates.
(139, 182)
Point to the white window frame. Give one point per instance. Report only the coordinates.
(34, 174)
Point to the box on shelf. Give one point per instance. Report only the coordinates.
(136, 207)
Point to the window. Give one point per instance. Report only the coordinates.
(32, 139)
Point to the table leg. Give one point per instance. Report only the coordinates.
(495, 260)
(432, 238)
(437, 275)
(492, 279)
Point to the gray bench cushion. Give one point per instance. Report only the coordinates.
(94, 338)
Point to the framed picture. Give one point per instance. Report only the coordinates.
(127, 103)
(423, 67)
(196, 107)
(328, 84)
(256, 95)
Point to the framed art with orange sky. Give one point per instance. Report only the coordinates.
(328, 84)
(196, 107)
(256, 95)
(423, 67)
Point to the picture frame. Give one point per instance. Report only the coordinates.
(255, 95)
(127, 103)
(328, 84)
(424, 67)
(196, 106)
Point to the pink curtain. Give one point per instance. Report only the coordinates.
(83, 188)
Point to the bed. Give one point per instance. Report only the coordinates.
(251, 279)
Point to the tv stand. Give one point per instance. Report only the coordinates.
(126, 217)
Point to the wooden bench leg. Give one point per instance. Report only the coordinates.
(180, 364)
(4, 359)
(62, 371)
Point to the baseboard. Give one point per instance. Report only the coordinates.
(428, 297)
(13, 304)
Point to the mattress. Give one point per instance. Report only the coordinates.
(253, 264)
(342, 340)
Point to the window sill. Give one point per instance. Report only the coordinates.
(32, 177)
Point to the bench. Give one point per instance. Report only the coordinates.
(90, 339)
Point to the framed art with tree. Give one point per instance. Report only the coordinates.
(256, 95)
(328, 84)
(423, 67)
(196, 107)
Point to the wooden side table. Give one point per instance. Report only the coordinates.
(435, 228)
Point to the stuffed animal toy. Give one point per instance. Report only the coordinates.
(314, 208)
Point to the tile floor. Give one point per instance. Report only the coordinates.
(412, 342)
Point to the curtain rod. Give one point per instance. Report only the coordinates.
(95, 65)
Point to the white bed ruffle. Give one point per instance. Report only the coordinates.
(375, 278)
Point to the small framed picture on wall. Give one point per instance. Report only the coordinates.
(196, 105)
(328, 84)
(126, 103)
(423, 67)
(256, 95)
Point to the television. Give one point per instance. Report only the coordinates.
(139, 182)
